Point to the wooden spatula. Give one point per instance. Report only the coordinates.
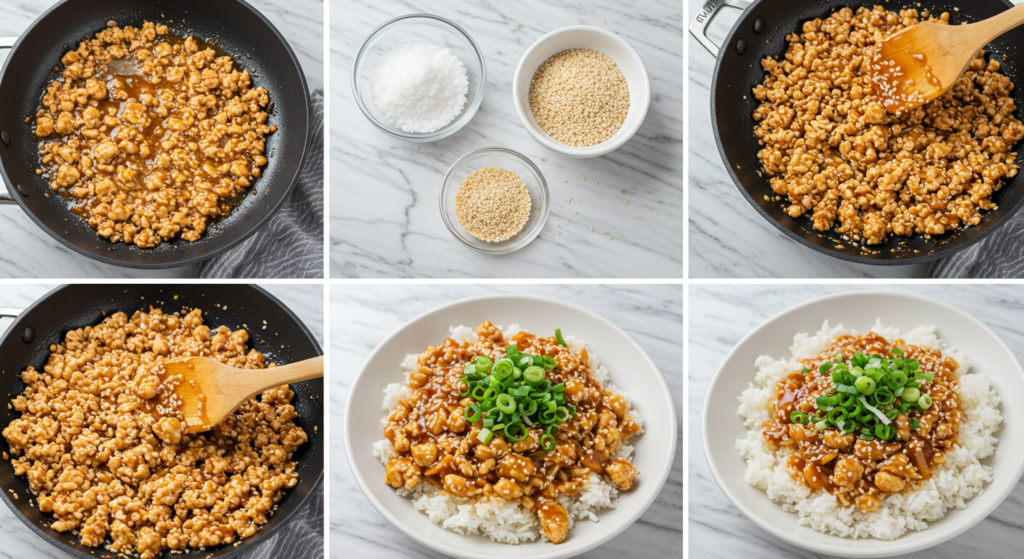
(924, 61)
(209, 391)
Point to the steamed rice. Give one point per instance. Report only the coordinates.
(501, 520)
(954, 483)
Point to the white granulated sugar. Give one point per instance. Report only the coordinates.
(420, 87)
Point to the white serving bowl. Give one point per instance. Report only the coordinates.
(598, 40)
(721, 425)
(631, 369)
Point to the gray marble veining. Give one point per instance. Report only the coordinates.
(362, 316)
(728, 238)
(306, 301)
(28, 251)
(384, 210)
(719, 316)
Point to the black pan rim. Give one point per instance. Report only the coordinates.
(184, 262)
(261, 536)
(799, 239)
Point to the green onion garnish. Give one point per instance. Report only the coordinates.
(868, 393)
(558, 337)
(547, 442)
(513, 394)
(914, 423)
(924, 402)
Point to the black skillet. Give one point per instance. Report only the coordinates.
(761, 31)
(232, 25)
(285, 339)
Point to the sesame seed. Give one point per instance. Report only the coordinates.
(493, 204)
(579, 97)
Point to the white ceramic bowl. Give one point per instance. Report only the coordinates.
(859, 310)
(598, 40)
(631, 369)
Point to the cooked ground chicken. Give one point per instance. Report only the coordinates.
(435, 443)
(118, 472)
(150, 135)
(834, 152)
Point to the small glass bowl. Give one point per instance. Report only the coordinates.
(504, 159)
(412, 28)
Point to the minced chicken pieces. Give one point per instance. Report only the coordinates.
(113, 473)
(150, 135)
(835, 153)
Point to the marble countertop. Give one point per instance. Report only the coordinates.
(384, 212)
(28, 251)
(727, 237)
(651, 314)
(307, 302)
(726, 314)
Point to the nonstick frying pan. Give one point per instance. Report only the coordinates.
(760, 32)
(233, 26)
(285, 339)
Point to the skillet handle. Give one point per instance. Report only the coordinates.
(704, 17)
(5, 197)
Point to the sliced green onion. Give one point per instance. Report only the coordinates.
(825, 367)
(924, 402)
(797, 416)
(533, 375)
(821, 425)
(505, 403)
(865, 385)
(467, 391)
(896, 350)
(914, 423)
(485, 436)
(512, 429)
(839, 357)
(483, 363)
(473, 413)
(884, 432)
(924, 376)
(911, 395)
(804, 371)
(558, 336)
(547, 443)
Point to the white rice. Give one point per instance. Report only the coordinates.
(501, 520)
(952, 484)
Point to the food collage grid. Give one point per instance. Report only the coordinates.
(672, 279)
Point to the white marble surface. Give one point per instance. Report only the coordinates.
(727, 237)
(306, 301)
(727, 313)
(27, 251)
(385, 220)
(363, 315)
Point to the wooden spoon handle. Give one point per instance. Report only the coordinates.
(258, 381)
(984, 32)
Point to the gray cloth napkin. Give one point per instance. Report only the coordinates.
(290, 244)
(998, 255)
(302, 538)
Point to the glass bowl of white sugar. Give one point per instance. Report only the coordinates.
(419, 78)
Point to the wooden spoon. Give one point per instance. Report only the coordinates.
(926, 60)
(208, 391)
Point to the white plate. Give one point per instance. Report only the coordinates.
(630, 368)
(859, 310)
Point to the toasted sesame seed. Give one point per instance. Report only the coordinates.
(579, 97)
(493, 204)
